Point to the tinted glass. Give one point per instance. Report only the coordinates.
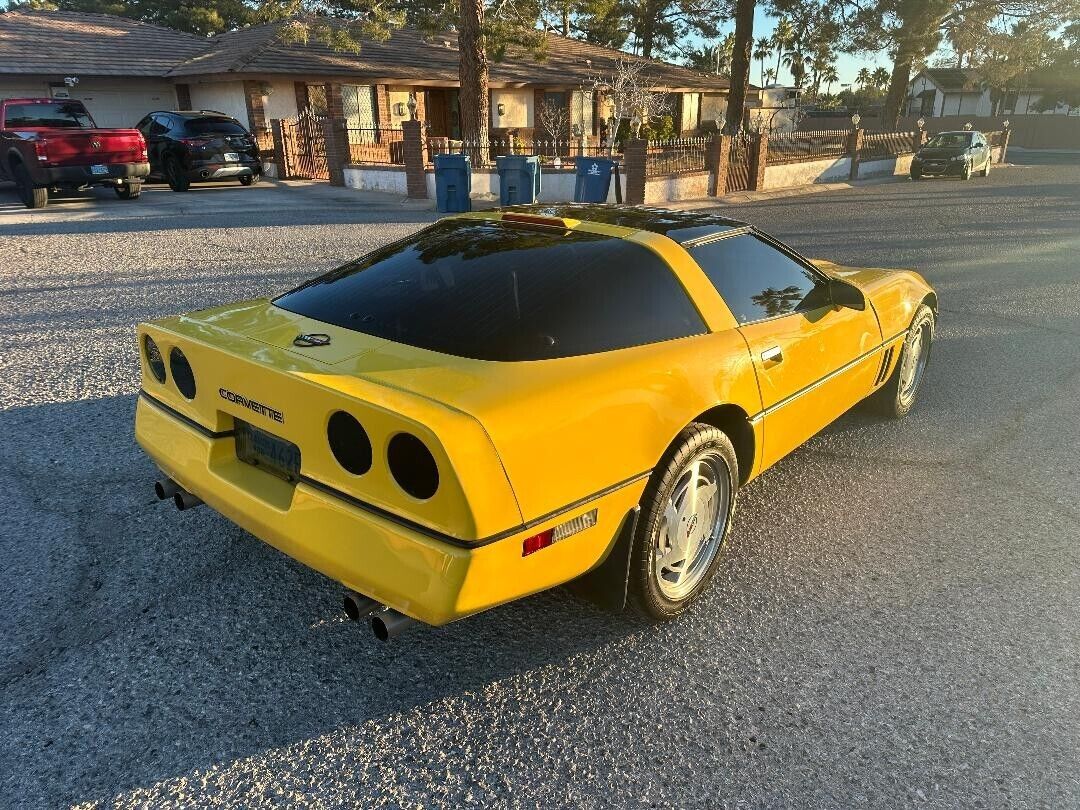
(950, 140)
(758, 281)
(678, 225)
(60, 115)
(213, 126)
(495, 292)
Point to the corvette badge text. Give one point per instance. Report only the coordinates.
(251, 405)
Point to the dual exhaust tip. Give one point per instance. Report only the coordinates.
(386, 623)
(168, 490)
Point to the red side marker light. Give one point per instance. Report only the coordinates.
(530, 545)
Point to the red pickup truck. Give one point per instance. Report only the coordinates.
(48, 143)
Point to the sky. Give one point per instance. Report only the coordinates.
(846, 64)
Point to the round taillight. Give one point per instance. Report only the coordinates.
(349, 443)
(182, 374)
(412, 466)
(154, 359)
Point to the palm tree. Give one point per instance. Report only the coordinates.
(782, 38)
(795, 62)
(864, 77)
(829, 75)
(880, 78)
(770, 76)
(762, 51)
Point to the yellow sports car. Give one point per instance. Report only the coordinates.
(512, 400)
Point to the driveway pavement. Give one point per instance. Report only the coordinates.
(897, 624)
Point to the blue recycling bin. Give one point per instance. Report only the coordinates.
(519, 179)
(593, 179)
(453, 183)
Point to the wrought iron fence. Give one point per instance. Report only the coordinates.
(552, 153)
(877, 145)
(792, 147)
(381, 146)
(676, 156)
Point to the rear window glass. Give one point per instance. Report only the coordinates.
(491, 291)
(213, 126)
(58, 115)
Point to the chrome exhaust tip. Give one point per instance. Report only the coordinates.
(390, 624)
(185, 500)
(357, 606)
(165, 489)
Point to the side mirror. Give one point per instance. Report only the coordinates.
(846, 295)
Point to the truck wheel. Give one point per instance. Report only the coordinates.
(249, 179)
(32, 197)
(684, 523)
(174, 174)
(128, 191)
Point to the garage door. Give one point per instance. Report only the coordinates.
(124, 108)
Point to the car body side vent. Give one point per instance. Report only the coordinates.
(886, 361)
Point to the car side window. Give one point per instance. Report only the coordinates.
(757, 280)
(159, 126)
(144, 125)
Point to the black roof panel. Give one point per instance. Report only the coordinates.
(682, 226)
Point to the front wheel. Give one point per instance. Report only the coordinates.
(684, 523)
(896, 398)
(31, 197)
(915, 175)
(986, 168)
(965, 172)
(249, 179)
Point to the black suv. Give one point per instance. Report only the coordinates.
(195, 145)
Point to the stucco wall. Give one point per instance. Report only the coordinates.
(383, 178)
(279, 104)
(224, 97)
(885, 167)
(676, 187)
(827, 170)
(518, 111)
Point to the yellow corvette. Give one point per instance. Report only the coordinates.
(511, 400)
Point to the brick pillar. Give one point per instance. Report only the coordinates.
(415, 176)
(634, 169)
(382, 106)
(253, 100)
(335, 104)
(719, 152)
(1005, 133)
(337, 149)
(279, 148)
(854, 146)
(759, 159)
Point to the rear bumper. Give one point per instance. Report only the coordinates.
(432, 580)
(83, 175)
(222, 171)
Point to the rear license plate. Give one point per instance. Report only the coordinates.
(268, 452)
(97, 168)
(232, 157)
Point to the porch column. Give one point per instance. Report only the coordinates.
(337, 149)
(253, 100)
(279, 148)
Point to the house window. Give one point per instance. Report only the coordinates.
(358, 104)
(581, 112)
(316, 94)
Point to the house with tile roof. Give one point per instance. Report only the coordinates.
(122, 69)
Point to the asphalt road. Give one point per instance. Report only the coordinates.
(898, 622)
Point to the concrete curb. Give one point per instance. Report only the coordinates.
(778, 193)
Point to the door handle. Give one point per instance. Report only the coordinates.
(772, 355)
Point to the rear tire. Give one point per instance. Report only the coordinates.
(684, 524)
(128, 191)
(31, 196)
(896, 397)
(174, 174)
(249, 179)
(916, 175)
